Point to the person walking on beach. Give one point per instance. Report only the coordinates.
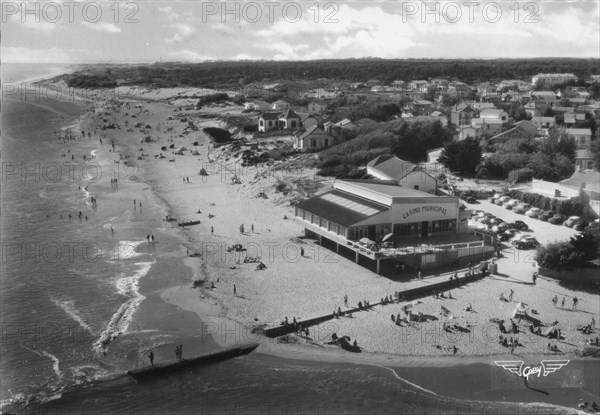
(212, 230)
(419, 274)
(151, 357)
(346, 300)
(534, 277)
(252, 228)
(242, 228)
(555, 300)
(301, 252)
(562, 303)
(510, 296)
(234, 290)
(112, 231)
(575, 303)
(177, 352)
(180, 351)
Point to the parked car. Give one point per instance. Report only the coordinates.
(510, 204)
(496, 197)
(581, 226)
(522, 208)
(525, 242)
(557, 219)
(546, 215)
(501, 200)
(520, 225)
(572, 221)
(477, 213)
(534, 212)
(506, 235)
(504, 226)
(471, 199)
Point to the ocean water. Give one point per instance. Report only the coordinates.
(70, 289)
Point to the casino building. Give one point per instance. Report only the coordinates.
(380, 210)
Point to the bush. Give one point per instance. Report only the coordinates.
(251, 128)
(218, 135)
(559, 255)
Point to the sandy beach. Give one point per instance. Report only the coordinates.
(314, 284)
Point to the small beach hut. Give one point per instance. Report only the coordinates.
(202, 172)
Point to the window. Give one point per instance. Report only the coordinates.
(261, 123)
(270, 123)
(405, 229)
(326, 142)
(443, 225)
(360, 232)
(416, 187)
(313, 142)
(293, 124)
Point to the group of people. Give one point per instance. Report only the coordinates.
(511, 342)
(513, 327)
(562, 303)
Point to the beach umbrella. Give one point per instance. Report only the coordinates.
(388, 236)
(365, 241)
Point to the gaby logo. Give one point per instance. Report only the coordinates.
(546, 367)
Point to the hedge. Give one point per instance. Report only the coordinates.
(565, 207)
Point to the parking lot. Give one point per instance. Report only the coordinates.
(544, 232)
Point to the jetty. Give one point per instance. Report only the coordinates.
(149, 372)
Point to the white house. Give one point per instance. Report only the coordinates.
(313, 138)
(493, 113)
(420, 86)
(409, 175)
(287, 119)
(257, 106)
(280, 105)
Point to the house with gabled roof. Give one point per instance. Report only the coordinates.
(581, 136)
(544, 122)
(546, 97)
(317, 107)
(313, 138)
(462, 114)
(390, 167)
(273, 120)
(488, 126)
(522, 130)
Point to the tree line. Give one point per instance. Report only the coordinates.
(221, 73)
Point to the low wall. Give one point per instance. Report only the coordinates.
(580, 275)
(409, 295)
(473, 254)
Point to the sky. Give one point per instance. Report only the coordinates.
(196, 31)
